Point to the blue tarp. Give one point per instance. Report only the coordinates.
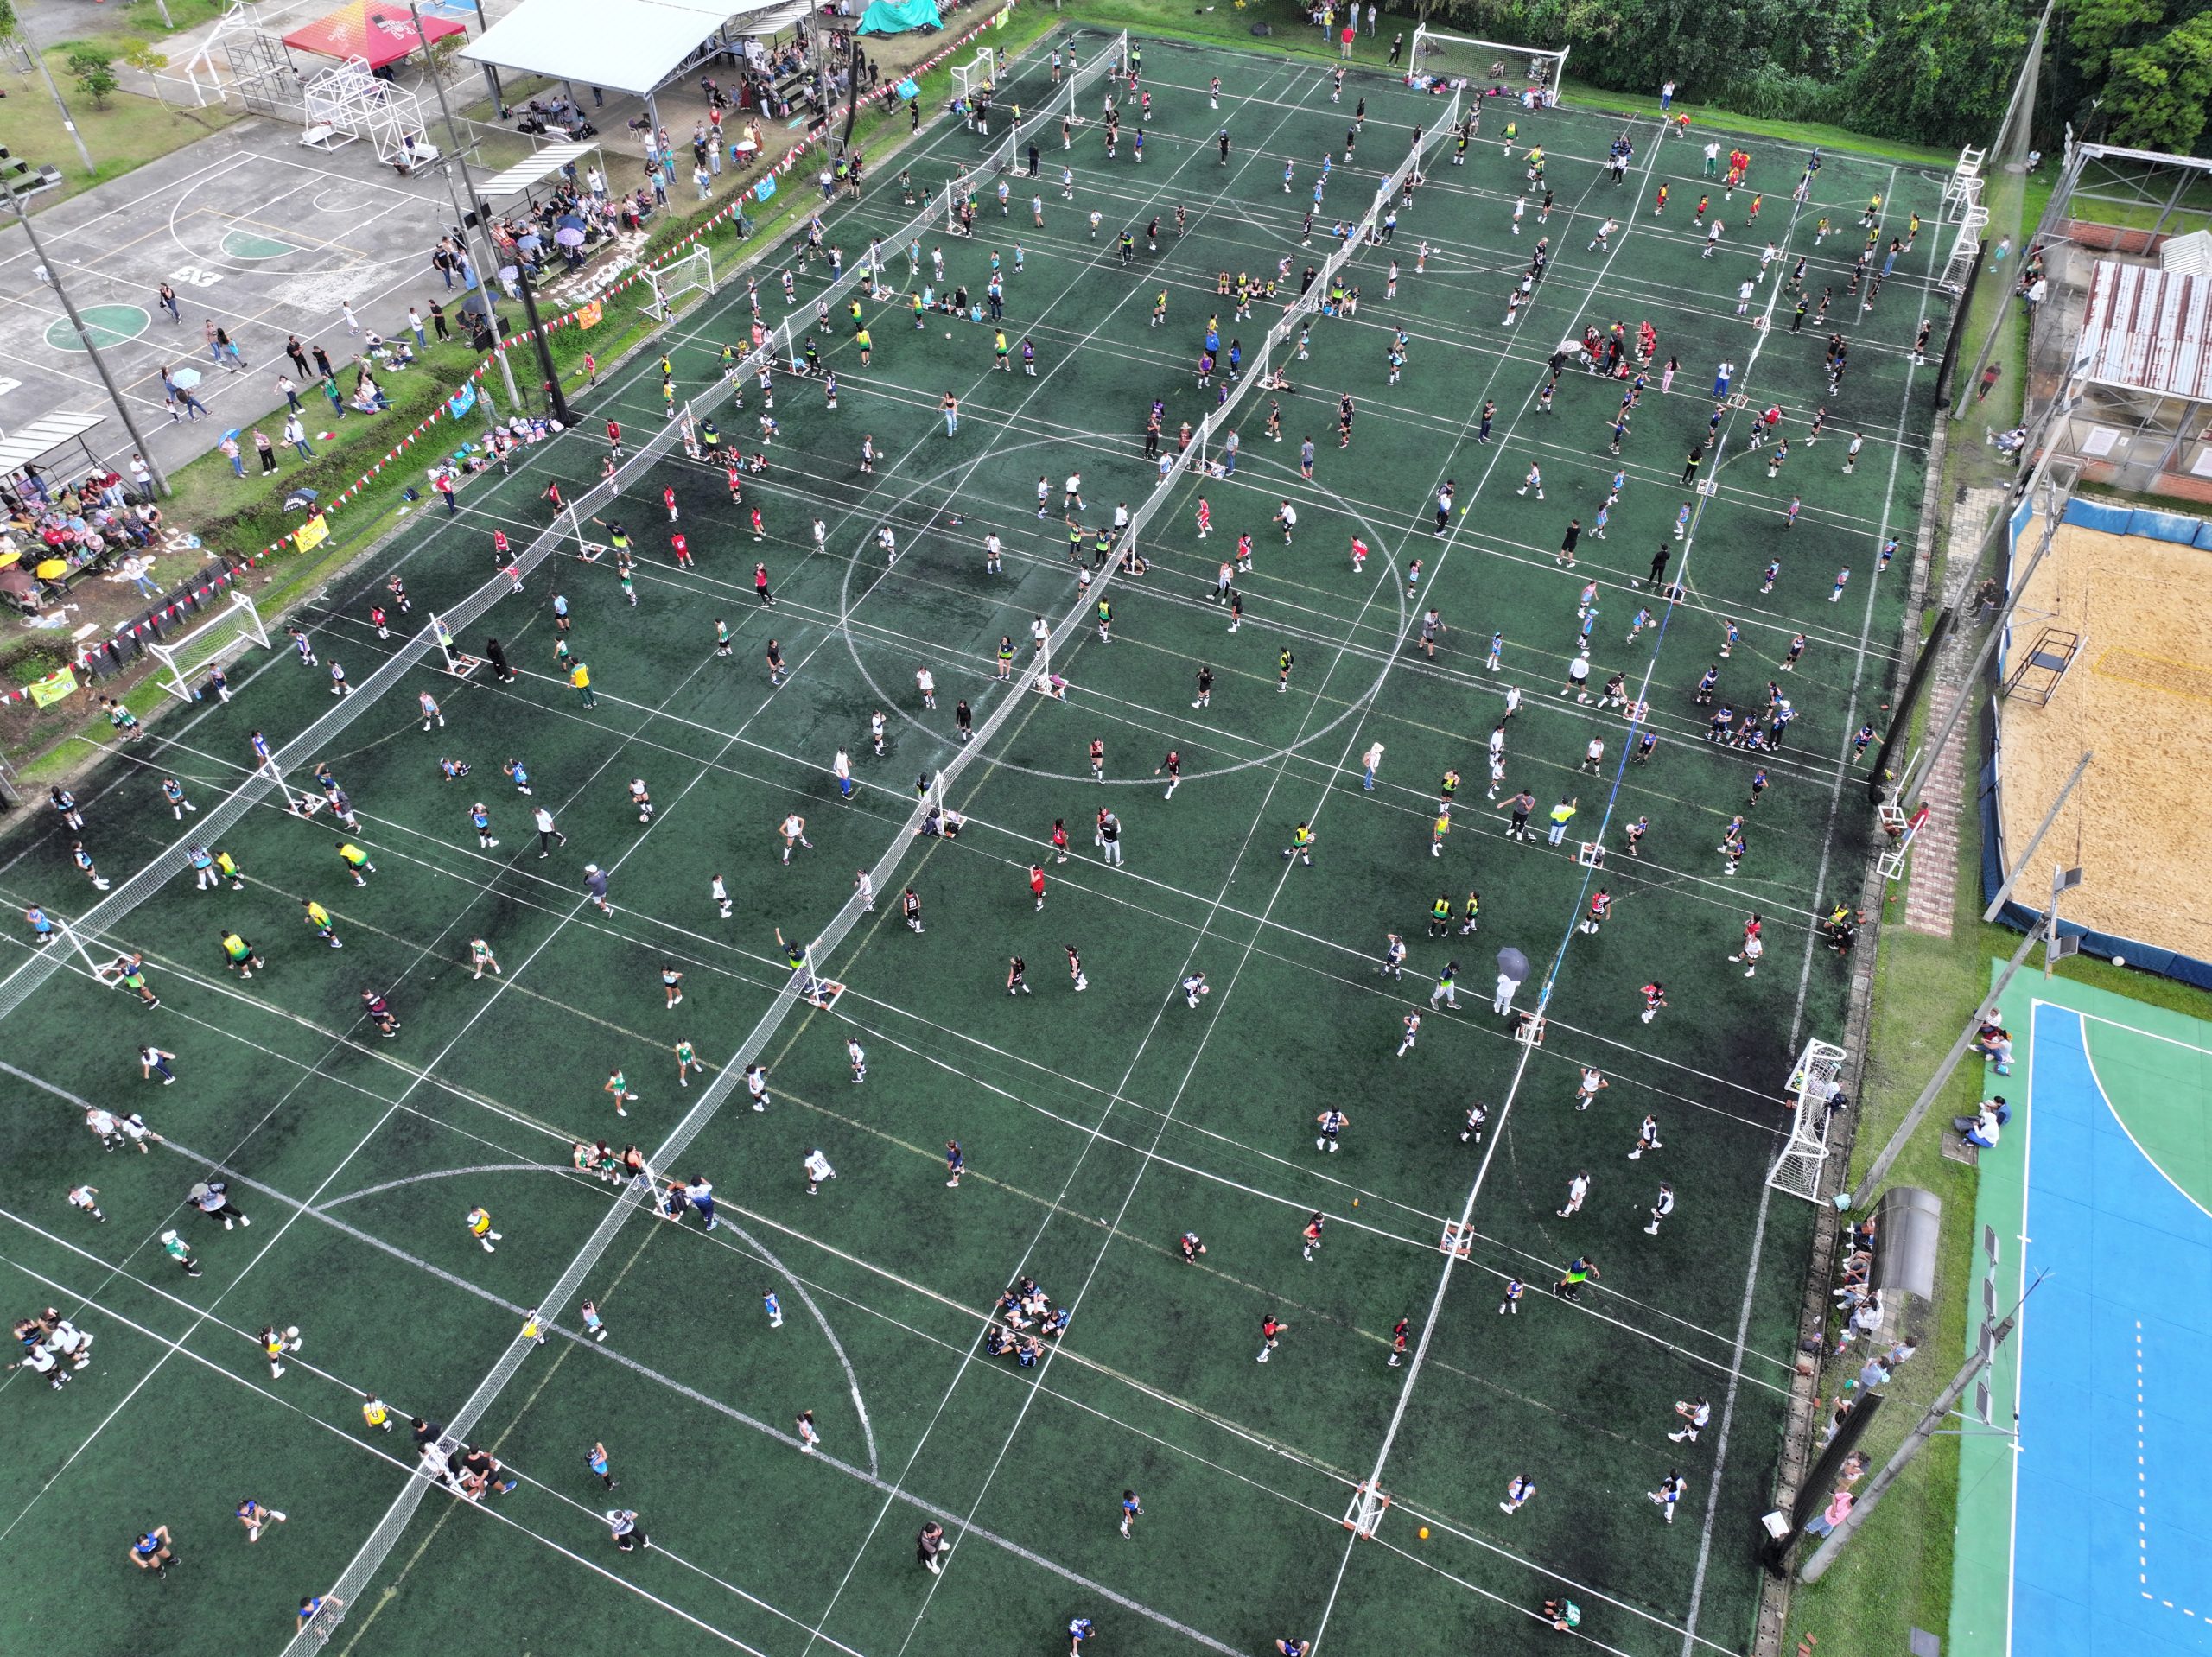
(897, 16)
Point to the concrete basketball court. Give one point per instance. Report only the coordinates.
(265, 236)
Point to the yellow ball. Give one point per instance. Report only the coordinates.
(1355, 1202)
(1424, 1532)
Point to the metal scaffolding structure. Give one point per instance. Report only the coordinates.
(348, 101)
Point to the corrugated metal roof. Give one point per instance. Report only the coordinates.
(2148, 329)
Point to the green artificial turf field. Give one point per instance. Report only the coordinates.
(1098, 1126)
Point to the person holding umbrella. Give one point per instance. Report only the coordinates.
(1512, 973)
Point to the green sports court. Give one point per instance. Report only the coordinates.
(1098, 1126)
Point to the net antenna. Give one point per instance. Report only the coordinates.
(1814, 1094)
(1463, 63)
(690, 272)
(218, 640)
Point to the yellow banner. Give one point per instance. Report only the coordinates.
(312, 534)
(52, 688)
(588, 317)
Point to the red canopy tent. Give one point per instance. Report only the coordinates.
(374, 30)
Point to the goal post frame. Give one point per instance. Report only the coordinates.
(239, 620)
(1799, 1165)
(1528, 56)
(670, 280)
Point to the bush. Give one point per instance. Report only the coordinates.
(28, 664)
(89, 67)
(1768, 92)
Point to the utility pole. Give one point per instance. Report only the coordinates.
(70, 126)
(2056, 950)
(84, 336)
(485, 273)
(1916, 1441)
(2041, 828)
(2056, 493)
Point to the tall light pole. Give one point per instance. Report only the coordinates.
(488, 272)
(68, 125)
(1816, 1566)
(85, 338)
(458, 161)
(2055, 949)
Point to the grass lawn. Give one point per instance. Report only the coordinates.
(127, 133)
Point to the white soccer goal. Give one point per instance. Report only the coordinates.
(209, 644)
(1531, 73)
(692, 272)
(1797, 1168)
(971, 77)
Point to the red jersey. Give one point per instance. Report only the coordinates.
(613, 432)
(500, 541)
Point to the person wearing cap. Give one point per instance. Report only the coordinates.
(178, 1250)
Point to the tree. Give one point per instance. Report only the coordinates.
(2094, 28)
(89, 67)
(1940, 72)
(7, 22)
(2157, 92)
(140, 56)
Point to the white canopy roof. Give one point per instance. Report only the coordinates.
(38, 438)
(627, 46)
(540, 167)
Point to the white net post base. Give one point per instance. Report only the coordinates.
(1797, 1168)
(1364, 1514)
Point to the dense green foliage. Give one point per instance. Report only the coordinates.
(1939, 71)
(2151, 65)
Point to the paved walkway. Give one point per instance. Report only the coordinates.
(1931, 885)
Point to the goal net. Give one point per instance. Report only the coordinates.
(691, 272)
(1812, 1082)
(970, 78)
(212, 642)
(1461, 62)
(1079, 97)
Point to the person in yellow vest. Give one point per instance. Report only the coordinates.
(356, 863)
(240, 956)
(319, 917)
(1301, 845)
(373, 1412)
(480, 1227)
(580, 677)
(1560, 813)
